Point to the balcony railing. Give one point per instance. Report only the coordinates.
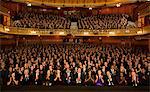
(75, 32)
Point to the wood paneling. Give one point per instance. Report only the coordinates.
(126, 9)
(127, 41)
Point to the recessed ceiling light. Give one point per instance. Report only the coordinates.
(29, 4)
(90, 8)
(86, 33)
(61, 33)
(118, 5)
(111, 32)
(58, 8)
(127, 31)
(44, 10)
(7, 29)
(33, 32)
(139, 32)
(8, 12)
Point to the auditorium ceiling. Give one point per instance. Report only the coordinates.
(78, 3)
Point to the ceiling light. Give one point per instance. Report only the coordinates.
(29, 4)
(7, 29)
(127, 31)
(8, 12)
(139, 32)
(111, 32)
(58, 8)
(118, 5)
(61, 33)
(44, 9)
(33, 32)
(86, 33)
(90, 8)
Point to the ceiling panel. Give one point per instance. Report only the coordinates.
(76, 2)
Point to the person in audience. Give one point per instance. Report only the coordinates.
(49, 78)
(122, 80)
(134, 77)
(25, 79)
(68, 75)
(58, 79)
(79, 77)
(37, 79)
(109, 79)
(12, 80)
(89, 80)
(99, 79)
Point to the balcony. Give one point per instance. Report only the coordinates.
(74, 32)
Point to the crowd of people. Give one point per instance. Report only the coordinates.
(109, 21)
(41, 21)
(74, 64)
(49, 21)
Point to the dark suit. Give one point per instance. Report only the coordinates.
(66, 77)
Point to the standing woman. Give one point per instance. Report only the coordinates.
(123, 70)
(79, 77)
(109, 78)
(134, 77)
(58, 77)
(12, 80)
(42, 75)
(99, 79)
(32, 74)
(68, 75)
(113, 72)
(89, 80)
(49, 76)
(37, 80)
(25, 78)
(122, 80)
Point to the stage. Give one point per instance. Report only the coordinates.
(74, 89)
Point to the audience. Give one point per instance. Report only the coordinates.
(110, 21)
(49, 21)
(41, 21)
(76, 64)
